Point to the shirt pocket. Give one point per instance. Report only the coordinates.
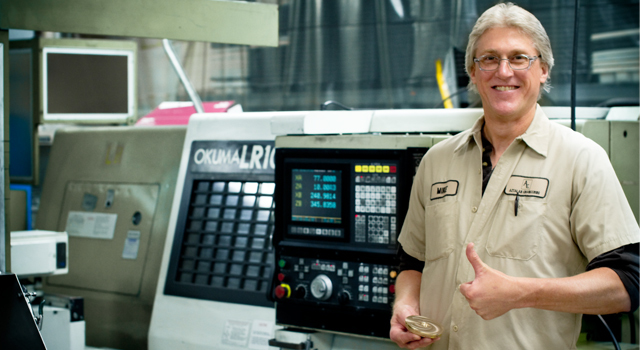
(516, 237)
(441, 226)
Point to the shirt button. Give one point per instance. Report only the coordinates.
(455, 328)
(474, 209)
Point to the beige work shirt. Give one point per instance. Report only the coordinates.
(571, 209)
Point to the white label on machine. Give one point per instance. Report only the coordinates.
(261, 332)
(131, 245)
(91, 225)
(236, 333)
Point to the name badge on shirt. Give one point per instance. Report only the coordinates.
(525, 186)
(443, 189)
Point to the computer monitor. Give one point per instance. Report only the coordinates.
(88, 81)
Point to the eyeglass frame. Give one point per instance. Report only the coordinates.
(531, 59)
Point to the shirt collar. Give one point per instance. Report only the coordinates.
(535, 137)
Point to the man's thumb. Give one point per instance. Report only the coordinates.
(474, 259)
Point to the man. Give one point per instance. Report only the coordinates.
(533, 228)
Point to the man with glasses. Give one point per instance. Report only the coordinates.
(533, 228)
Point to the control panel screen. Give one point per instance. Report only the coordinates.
(316, 195)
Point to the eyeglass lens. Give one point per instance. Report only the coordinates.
(517, 62)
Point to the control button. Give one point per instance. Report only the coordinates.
(281, 277)
(393, 274)
(282, 263)
(392, 289)
(283, 291)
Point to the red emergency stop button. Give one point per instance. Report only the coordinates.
(283, 291)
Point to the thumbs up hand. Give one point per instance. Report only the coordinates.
(491, 293)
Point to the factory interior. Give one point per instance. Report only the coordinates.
(158, 158)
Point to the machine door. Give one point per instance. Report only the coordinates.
(109, 227)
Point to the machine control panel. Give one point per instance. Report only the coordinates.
(337, 282)
(338, 216)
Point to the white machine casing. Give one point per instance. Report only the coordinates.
(59, 332)
(183, 322)
(37, 253)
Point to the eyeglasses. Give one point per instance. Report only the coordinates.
(516, 62)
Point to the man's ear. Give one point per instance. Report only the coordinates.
(545, 73)
(472, 74)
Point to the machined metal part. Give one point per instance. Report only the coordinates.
(423, 326)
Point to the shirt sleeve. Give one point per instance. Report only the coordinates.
(412, 235)
(624, 261)
(407, 262)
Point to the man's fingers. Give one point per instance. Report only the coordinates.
(474, 259)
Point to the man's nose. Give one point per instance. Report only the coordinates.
(504, 68)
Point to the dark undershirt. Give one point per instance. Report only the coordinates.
(624, 260)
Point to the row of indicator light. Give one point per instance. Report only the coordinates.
(376, 169)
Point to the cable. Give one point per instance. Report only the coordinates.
(450, 96)
(574, 65)
(323, 107)
(613, 338)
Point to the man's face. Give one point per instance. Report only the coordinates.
(508, 93)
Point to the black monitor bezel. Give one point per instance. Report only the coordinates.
(289, 158)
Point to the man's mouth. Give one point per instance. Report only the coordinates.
(505, 88)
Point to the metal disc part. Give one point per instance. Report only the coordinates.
(423, 326)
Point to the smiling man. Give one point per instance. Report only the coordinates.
(538, 230)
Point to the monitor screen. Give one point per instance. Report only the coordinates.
(316, 195)
(91, 84)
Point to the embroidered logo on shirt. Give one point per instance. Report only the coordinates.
(443, 189)
(526, 186)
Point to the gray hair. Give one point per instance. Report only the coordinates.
(509, 15)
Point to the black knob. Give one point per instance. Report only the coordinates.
(344, 297)
(301, 291)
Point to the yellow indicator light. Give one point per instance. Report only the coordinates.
(358, 168)
(378, 168)
(365, 168)
(385, 169)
